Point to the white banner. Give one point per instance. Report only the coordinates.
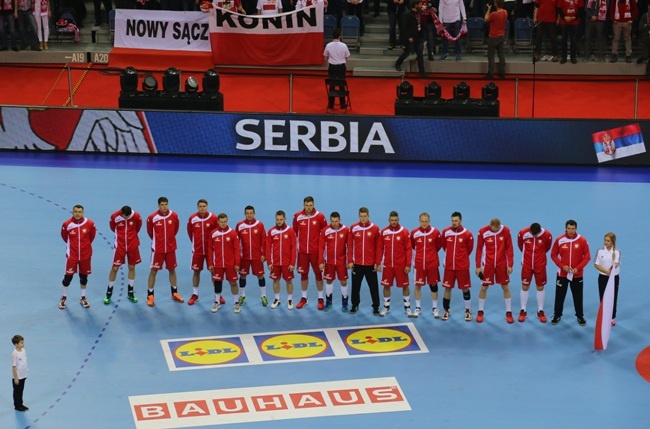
(162, 30)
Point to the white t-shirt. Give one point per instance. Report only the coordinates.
(269, 7)
(19, 360)
(606, 258)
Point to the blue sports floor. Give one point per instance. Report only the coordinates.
(88, 366)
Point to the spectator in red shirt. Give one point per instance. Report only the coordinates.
(497, 19)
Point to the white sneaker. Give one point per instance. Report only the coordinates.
(407, 310)
(290, 304)
(385, 311)
(436, 313)
(275, 303)
(215, 307)
(468, 315)
(237, 307)
(417, 312)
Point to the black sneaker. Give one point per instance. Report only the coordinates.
(376, 312)
(354, 309)
(581, 321)
(556, 319)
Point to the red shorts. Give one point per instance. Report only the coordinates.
(168, 258)
(495, 275)
(333, 272)
(279, 271)
(527, 275)
(429, 276)
(198, 260)
(304, 261)
(394, 274)
(120, 256)
(71, 266)
(254, 267)
(221, 274)
(460, 276)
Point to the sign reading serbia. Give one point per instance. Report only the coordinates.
(285, 39)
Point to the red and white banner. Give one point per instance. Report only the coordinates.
(287, 39)
(604, 318)
(162, 30)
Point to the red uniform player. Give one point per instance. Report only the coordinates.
(252, 238)
(126, 224)
(332, 259)
(199, 228)
(78, 234)
(426, 242)
(224, 256)
(394, 254)
(458, 243)
(534, 243)
(281, 257)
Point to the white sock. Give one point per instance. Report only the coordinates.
(540, 300)
(417, 303)
(523, 297)
(262, 290)
(344, 291)
(195, 291)
(329, 288)
(65, 291)
(304, 294)
(217, 297)
(508, 304)
(481, 304)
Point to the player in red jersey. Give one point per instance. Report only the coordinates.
(494, 262)
(281, 257)
(395, 251)
(252, 238)
(534, 243)
(332, 257)
(426, 242)
(224, 256)
(570, 253)
(126, 224)
(458, 243)
(308, 224)
(78, 234)
(199, 228)
(162, 227)
(362, 246)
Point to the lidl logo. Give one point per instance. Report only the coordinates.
(379, 340)
(294, 346)
(206, 352)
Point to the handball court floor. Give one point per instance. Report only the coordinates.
(86, 363)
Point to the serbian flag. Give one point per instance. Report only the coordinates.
(618, 142)
(286, 39)
(604, 319)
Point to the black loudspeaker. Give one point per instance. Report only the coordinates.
(441, 108)
(158, 100)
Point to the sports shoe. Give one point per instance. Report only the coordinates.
(321, 303)
(555, 59)
(556, 319)
(290, 304)
(376, 312)
(107, 300)
(84, 302)
(612, 59)
(445, 315)
(613, 322)
(581, 321)
(541, 316)
(417, 312)
(509, 317)
(436, 313)
(344, 304)
(222, 300)
(385, 310)
(62, 303)
(628, 58)
(354, 309)
(131, 297)
(265, 301)
(407, 311)
(241, 300)
(479, 316)
(150, 302)
(215, 307)
(328, 304)
(468, 315)
(443, 57)
(237, 307)
(301, 303)
(193, 299)
(275, 304)
(522, 316)
(176, 297)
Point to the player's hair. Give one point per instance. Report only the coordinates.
(16, 339)
(126, 211)
(336, 34)
(249, 208)
(414, 3)
(222, 216)
(571, 222)
(202, 200)
(457, 214)
(280, 213)
(364, 210)
(535, 228)
(495, 222)
(163, 200)
(78, 206)
(308, 199)
(612, 237)
(425, 214)
(335, 215)
(393, 214)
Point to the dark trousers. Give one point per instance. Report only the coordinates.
(429, 30)
(336, 71)
(495, 44)
(18, 392)
(108, 5)
(597, 27)
(570, 36)
(561, 286)
(418, 45)
(602, 284)
(9, 21)
(393, 22)
(358, 273)
(551, 29)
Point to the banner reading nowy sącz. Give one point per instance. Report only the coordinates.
(618, 142)
(287, 39)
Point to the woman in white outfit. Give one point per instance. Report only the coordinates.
(607, 263)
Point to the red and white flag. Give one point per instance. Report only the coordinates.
(604, 319)
(286, 39)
